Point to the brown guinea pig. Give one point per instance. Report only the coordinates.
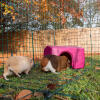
(54, 63)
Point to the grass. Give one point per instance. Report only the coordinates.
(81, 84)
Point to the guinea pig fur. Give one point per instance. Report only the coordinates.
(17, 65)
(54, 63)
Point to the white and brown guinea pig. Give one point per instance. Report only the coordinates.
(54, 63)
(17, 65)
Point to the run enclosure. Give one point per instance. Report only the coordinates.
(27, 27)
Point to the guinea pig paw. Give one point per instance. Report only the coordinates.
(18, 75)
(27, 72)
(6, 78)
(56, 72)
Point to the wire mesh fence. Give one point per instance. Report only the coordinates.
(28, 26)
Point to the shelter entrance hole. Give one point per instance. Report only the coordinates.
(67, 55)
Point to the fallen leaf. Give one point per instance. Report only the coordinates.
(24, 95)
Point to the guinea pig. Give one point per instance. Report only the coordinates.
(16, 65)
(54, 63)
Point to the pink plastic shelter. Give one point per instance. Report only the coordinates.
(75, 54)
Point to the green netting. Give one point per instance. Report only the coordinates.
(28, 26)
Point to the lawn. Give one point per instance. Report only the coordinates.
(72, 84)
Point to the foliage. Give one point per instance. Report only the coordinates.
(91, 13)
(21, 12)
